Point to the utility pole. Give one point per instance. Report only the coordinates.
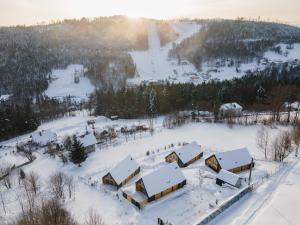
(250, 173)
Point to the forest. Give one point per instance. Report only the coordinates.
(265, 90)
(28, 54)
(237, 39)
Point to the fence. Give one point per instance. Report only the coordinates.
(238, 196)
(225, 205)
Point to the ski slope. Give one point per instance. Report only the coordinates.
(154, 64)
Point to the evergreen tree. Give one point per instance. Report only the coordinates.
(77, 153)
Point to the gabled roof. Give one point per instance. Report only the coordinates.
(163, 179)
(88, 140)
(231, 106)
(234, 158)
(4, 97)
(228, 177)
(124, 169)
(43, 137)
(188, 152)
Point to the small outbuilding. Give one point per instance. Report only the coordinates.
(161, 182)
(227, 177)
(230, 109)
(234, 161)
(122, 172)
(43, 137)
(88, 142)
(185, 155)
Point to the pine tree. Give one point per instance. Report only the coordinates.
(77, 153)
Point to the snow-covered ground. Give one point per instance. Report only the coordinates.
(63, 84)
(184, 206)
(274, 202)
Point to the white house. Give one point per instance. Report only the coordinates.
(227, 177)
(230, 109)
(42, 138)
(88, 141)
(4, 97)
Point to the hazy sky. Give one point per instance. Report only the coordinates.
(14, 12)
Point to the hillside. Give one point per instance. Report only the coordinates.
(235, 39)
(28, 54)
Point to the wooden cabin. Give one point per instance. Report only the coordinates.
(234, 161)
(122, 173)
(226, 177)
(186, 155)
(161, 182)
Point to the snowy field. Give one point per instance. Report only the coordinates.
(63, 84)
(185, 206)
(155, 64)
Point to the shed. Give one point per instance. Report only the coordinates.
(234, 161)
(185, 155)
(227, 177)
(44, 137)
(122, 172)
(161, 182)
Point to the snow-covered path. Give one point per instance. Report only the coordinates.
(154, 64)
(284, 206)
(276, 200)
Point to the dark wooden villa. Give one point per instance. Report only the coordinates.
(234, 161)
(122, 173)
(186, 155)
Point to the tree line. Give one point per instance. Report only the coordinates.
(259, 90)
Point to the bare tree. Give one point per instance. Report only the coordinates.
(296, 137)
(33, 182)
(70, 185)
(282, 146)
(2, 202)
(50, 212)
(262, 140)
(56, 184)
(94, 219)
(5, 169)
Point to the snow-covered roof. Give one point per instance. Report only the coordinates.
(124, 169)
(88, 140)
(43, 137)
(163, 179)
(295, 105)
(228, 177)
(234, 158)
(231, 106)
(188, 152)
(4, 97)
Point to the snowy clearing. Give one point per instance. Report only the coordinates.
(63, 84)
